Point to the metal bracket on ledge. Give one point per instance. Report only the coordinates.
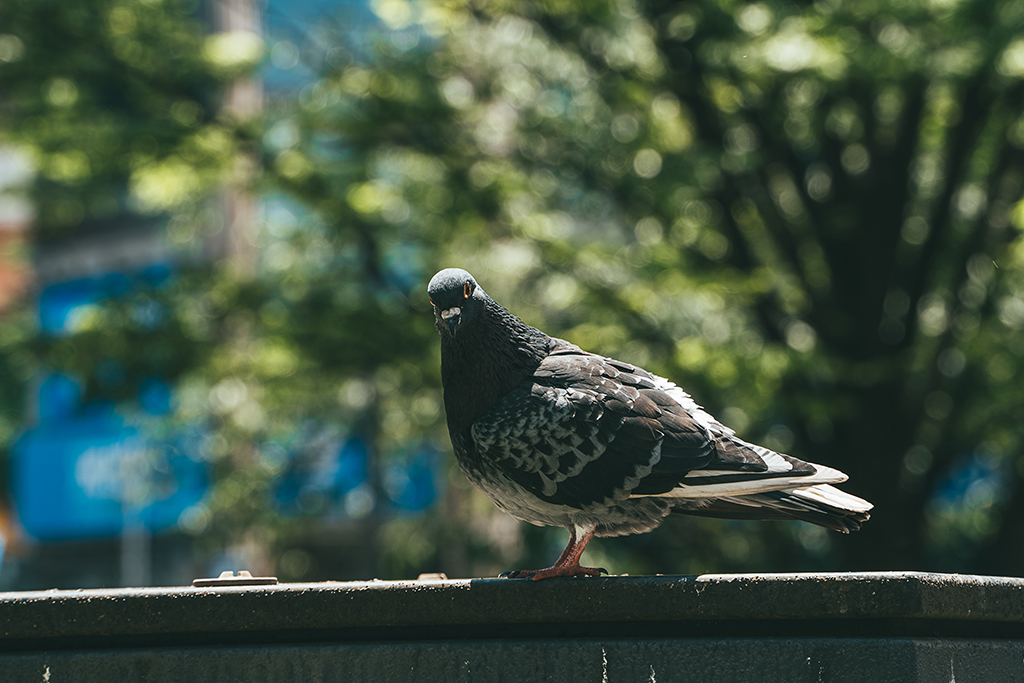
(228, 578)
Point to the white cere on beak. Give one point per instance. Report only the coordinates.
(450, 313)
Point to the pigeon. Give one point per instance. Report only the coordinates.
(557, 436)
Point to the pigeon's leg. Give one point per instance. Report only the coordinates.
(568, 563)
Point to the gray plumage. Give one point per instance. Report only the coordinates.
(558, 436)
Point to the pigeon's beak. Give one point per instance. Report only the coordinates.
(452, 317)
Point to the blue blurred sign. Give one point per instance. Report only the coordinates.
(82, 472)
(84, 476)
(326, 476)
(64, 305)
(410, 478)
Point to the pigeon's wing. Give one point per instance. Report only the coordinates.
(729, 466)
(700, 457)
(735, 468)
(586, 431)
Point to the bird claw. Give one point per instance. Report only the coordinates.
(547, 573)
(516, 574)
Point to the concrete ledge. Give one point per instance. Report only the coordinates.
(875, 626)
(895, 604)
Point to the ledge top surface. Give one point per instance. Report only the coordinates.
(382, 607)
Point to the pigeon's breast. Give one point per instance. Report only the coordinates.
(628, 516)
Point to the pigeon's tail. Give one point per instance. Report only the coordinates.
(823, 505)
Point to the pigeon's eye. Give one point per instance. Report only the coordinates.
(467, 290)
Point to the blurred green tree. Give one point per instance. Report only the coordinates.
(807, 214)
(116, 103)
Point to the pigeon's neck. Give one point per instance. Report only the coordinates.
(486, 361)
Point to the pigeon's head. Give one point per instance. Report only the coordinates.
(457, 299)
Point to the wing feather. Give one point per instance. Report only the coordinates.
(588, 431)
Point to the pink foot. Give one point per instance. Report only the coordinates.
(568, 563)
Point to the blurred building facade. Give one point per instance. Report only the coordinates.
(98, 492)
(15, 274)
(102, 492)
(15, 219)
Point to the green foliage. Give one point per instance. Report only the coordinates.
(107, 93)
(803, 213)
(807, 214)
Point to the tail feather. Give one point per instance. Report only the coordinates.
(702, 484)
(823, 505)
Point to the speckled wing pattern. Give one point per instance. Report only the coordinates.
(589, 431)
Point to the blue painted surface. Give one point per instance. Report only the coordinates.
(63, 305)
(83, 476)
